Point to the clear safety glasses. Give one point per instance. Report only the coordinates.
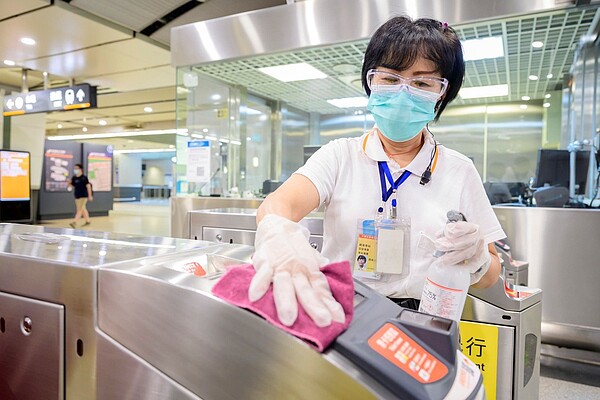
(424, 86)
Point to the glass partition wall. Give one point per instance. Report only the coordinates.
(253, 139)
(256, 127)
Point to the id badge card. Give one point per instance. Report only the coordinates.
(383, 247)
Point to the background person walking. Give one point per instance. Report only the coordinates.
(83, 194)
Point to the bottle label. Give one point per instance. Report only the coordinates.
(441, 300)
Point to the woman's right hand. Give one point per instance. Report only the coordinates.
(285, 258)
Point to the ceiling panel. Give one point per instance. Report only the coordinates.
(105, 59)
(138, 109)
(559, 30)
(134, 14)
(165, 116)
(138, 97)
(11, 8)
(56, 31)
(140, 79)
(213, 9)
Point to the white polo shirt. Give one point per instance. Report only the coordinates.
(346, 175)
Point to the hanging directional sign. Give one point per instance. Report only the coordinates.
(58, 99)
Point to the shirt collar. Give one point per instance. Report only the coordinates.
(373, 148)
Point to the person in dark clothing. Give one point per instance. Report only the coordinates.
(83, 193)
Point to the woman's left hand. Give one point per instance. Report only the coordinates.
(464, 245)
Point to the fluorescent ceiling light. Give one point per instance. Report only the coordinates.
(537, 44)
(28, 41)
(549, 76)
(547, 95)
(84, 129)
(215, 97)
(182, 132)
(533, 77)
(349, 102)
(525, 98)
(59, 126)
(102, 122)
(250, 111)
(293, 72)
(483, 91)
(546, 105)
(10, 63)
(479, 49)
(148, 109)
(145, 151)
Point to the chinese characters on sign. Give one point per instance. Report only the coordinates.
(58, 99)
(479, 342)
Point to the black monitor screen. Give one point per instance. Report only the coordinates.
(553, 169)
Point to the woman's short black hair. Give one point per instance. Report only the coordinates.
(79, 166)
(361, 257)
(400, 41)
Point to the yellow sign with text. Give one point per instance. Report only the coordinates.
(479, 342)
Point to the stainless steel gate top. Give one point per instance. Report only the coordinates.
(84, 248)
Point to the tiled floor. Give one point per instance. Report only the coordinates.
(559, 380)
(150, 219)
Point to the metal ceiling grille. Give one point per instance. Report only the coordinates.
(560, 31)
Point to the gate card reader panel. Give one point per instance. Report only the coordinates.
(412, 354)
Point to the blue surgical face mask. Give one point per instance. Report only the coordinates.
(77, 171)
(401, 116)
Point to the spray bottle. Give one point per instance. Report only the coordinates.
(446, 286)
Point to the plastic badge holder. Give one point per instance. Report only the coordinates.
(383, 248)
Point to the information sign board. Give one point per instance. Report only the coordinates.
(58, 99)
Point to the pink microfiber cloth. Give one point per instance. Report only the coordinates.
(233, 288)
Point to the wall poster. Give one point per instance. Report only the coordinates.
(58, 168)
(99, 171)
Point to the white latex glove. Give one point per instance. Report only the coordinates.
(463, 245)
(284, 257)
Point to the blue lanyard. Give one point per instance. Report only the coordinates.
(386, 176)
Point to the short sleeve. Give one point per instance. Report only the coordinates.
(322, 169)
(477, 208)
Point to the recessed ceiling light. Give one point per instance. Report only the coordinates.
(10, 63)
(215, 97)
(248, 139)
(84, 129)
(28, 41)
(549, 76)
(349, 102)
(546, 105)
(59, 126)
(523, 106)
(148, 109)
(533, 77)
(547, 95)
(525, 98)
(205, 130)
(171, 146)
(173, 159)
(483, 91)
(479, 49)
(102, 122)
(293, 72)
(537, 44)
(45, 73)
